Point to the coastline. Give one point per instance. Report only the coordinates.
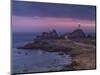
(82, 53)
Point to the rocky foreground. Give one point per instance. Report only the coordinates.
(83, 52)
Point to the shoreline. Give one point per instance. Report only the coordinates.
(83, 54)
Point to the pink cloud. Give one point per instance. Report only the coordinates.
(26, 23)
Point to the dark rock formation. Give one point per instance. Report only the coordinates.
(76, 34)
(47, 35)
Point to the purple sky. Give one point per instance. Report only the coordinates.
(38, 17)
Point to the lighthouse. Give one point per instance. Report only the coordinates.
(79, 26)
(78, 33)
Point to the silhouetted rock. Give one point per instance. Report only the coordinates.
(76, 34)
(47, 35)
(26, 53)
(19, 52)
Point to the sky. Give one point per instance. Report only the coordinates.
(39, 17)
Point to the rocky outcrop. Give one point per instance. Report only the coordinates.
(83, 55)
(82, 50)
(76, 34)
(47, 35)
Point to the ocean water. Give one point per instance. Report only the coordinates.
(34, 60)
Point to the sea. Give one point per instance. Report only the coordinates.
(34, 60)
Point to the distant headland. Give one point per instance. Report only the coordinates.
(82, 48)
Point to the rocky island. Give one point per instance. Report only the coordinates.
(81, 48)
